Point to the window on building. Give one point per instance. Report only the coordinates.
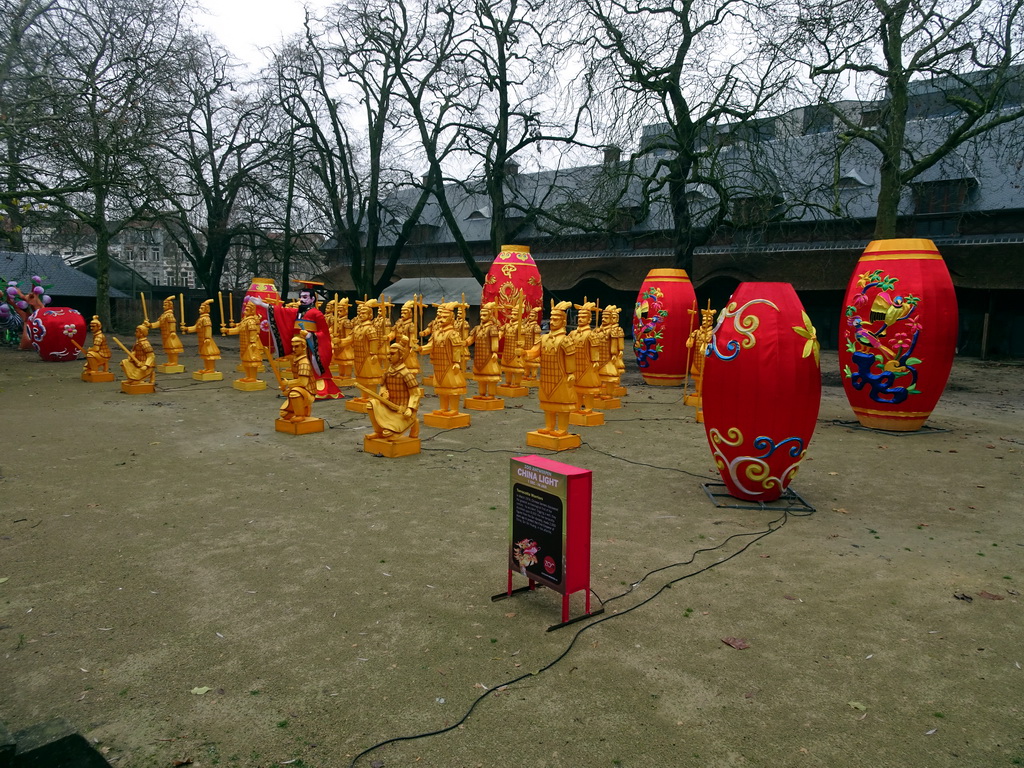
(817, 119)
(943, 196)
(870, 118)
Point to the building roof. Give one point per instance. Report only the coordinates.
(61, 279)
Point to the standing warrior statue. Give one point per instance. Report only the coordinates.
(612, 344)
(557, 354)
(485, 340)
(530, 333)
(366, 346)
(512, 365)
(169, 340)
(344, 356)
(588, 382)
(447, 349)
(405, 328)
(250, 348)
(208, 350)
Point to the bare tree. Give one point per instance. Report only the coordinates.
(935, 75)
(677, 72)
(214, 157)
(107, 102)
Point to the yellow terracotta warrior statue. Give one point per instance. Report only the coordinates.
(405, 328)
(366, 345)
(139, 367)
(557, 354)
(344, 355)
(169, 340)
(97, 356)
(611, 366)
(699, 339)
(530, 333)
(485, 339)
(393, 411)
(447, 349)
(299, 397)
(588, 382)
(208, 349)
(250, 348)
(512, 366)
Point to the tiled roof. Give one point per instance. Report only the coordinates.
(61, 279)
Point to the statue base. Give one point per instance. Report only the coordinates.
(586, 418)
(692, 399)
(620, 391)
(394, 448)
(306, 426)
(168, 368)
(506, 390)
(483, 403)
(95, 377)
(207, 375)
(137, 387)
(344, 381)
(607, 403)
(428, 381)
(699, 416)
(249, 386)
(553, 442)
(358, 405)
(531, 382)
(442, 420)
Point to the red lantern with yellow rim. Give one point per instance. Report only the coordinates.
(762, 390)
(263, 288)
(899, 333)
(665, 314)
(512, 272)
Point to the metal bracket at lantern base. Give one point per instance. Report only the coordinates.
(792, 500)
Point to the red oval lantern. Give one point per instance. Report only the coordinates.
(899, 334)
(263, 288)
(53, 331)
(761, 390)
(665, 314)
(512, 271)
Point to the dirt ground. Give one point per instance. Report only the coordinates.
(189, 587)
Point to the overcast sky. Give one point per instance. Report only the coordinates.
(245, 26)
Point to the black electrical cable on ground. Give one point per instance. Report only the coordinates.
(773, 526)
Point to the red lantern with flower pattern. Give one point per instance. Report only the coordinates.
(53, 331)
(761, 389)
(898, 338)
(665, 314)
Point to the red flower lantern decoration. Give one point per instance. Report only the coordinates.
(513, 270)
(897, 344)
(762, 390)
(665, 315)
(53, 331)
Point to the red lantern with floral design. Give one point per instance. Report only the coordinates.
(53, 331)
(899, 333)
(762, 389)
(665, 315)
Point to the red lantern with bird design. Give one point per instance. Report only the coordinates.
(899, 332)
(513, 270)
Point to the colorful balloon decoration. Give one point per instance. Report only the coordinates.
(513, 270)
(897, 344)
(22, 303)
(665, 314)
(262, 288)
(52, 330)
(762, 389)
